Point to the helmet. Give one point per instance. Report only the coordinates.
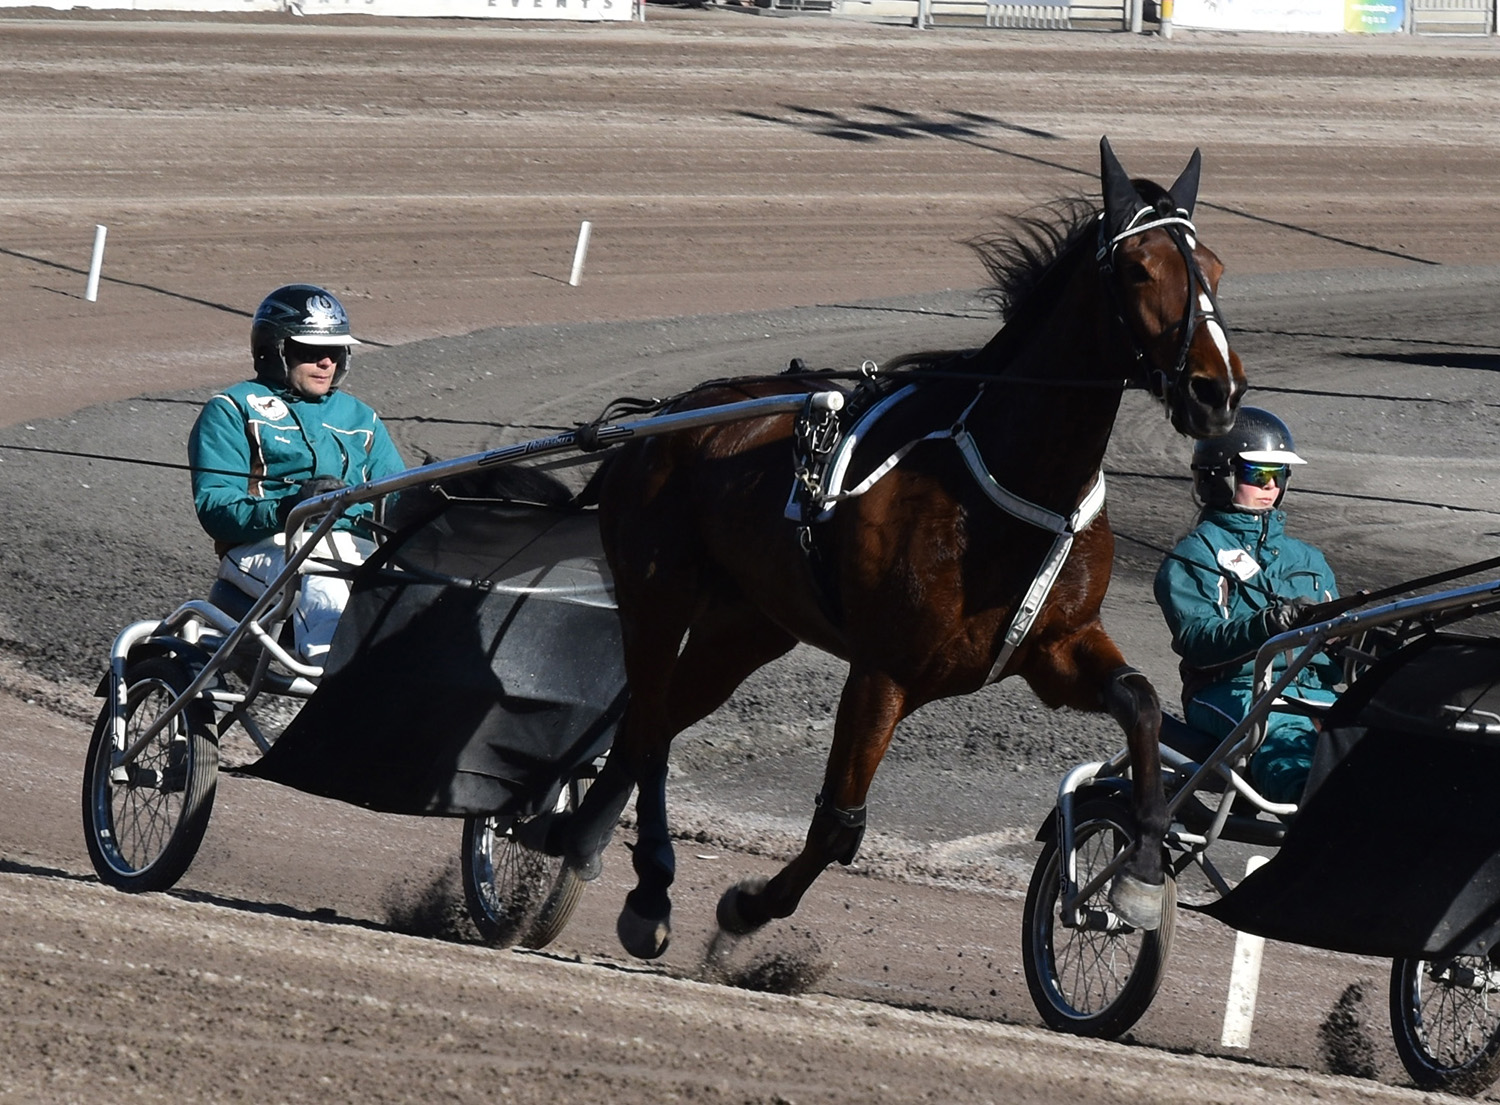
(303, 312)
(1258, 437)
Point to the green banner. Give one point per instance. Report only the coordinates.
(1374, 17)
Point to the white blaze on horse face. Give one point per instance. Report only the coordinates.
(1221, 339)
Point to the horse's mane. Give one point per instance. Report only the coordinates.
(1028, 258)
(1024, 258)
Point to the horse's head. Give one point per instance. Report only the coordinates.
(1163, 283)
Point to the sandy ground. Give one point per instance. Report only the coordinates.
(755, 184)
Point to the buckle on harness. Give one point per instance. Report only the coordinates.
(815, 436)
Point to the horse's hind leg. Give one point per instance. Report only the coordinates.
(725, 644)
(869, 708)
(639, 751)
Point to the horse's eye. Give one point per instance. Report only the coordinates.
(1135, 273)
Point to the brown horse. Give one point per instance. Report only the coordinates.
(917, 581)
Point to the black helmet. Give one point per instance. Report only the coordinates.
(1258, 437)
(303, 312)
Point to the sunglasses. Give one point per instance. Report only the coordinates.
(1262, 475)
(297, 352)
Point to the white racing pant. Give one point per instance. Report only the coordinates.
(321, 597)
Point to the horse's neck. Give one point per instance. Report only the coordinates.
(1049, 439)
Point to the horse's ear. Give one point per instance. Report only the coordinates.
(1185, 191)
(1121, 200)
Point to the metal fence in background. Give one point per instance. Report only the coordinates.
(1425, 17)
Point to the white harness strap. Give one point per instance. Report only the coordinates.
(1063, 527)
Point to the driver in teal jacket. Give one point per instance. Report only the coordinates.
(1237, 580)
(262, 446)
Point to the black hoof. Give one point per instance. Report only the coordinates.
(644, 937)
(739, 912)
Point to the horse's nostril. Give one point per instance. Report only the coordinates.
(1209, 391)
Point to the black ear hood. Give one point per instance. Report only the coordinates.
(1123, 200)
(1185, 190)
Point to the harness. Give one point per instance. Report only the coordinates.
(815, 494)
(825, 444)
(1203, 305)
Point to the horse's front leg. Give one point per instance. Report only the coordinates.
(1087, 671)
(1139, 890)
(870, 707)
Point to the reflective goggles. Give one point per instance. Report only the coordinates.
(297, 352)
(1261, 475)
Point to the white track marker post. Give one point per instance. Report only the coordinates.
(580, 252)
(1244, 981)
(91, 293)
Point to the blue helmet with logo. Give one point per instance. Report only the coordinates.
(303, 313)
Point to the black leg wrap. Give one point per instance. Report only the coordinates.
(652, 857)
(837, 833)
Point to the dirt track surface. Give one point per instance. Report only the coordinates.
(769, 177)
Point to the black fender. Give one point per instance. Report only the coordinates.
(1117, 787)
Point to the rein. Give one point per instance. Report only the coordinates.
(173, 465)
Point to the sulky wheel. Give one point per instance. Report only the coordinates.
(517, 895)
(1098, 979)
(1446, 1018)
(143, 820)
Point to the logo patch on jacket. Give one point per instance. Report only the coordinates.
(269, 407)
(1238, 563)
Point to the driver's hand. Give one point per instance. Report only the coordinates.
(307, 489)
(1284, 615)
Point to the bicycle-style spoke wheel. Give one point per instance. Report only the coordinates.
(144, 820)
(1445, 1015)
(1096, 979)
(517, 895)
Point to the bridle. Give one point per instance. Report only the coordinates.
(1202, 305)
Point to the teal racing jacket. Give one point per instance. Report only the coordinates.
(1218, 579)
(254, 443)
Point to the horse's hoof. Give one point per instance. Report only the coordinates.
(643, 937)
(1138, 904)
(732, 914)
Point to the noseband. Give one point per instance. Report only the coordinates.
(1162, 383)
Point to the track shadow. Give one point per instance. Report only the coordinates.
(15, 867)
(891, 122)
(242, 905)
(971, 128)
(128, 283)
(1477, 362)
(154, 288)
(1383, 339)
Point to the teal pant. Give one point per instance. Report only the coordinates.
(1280, 766)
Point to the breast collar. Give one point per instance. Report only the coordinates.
(1063, 527)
